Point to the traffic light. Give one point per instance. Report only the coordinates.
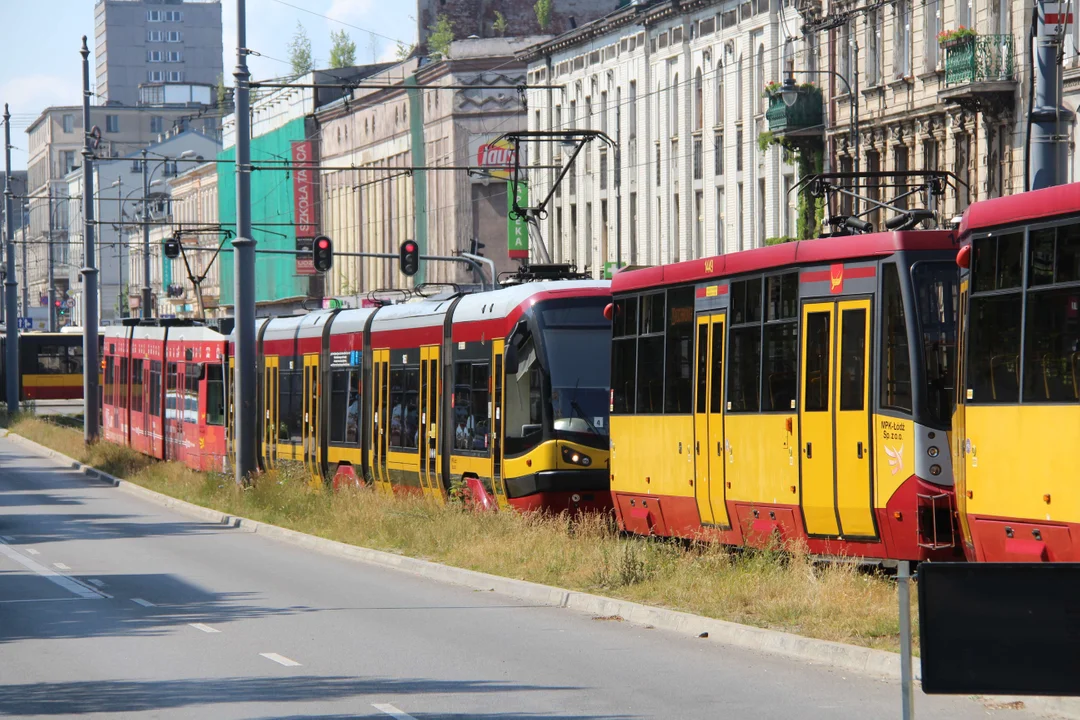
(322, 251)
(410, 257)
(172, 248)
(477, 247)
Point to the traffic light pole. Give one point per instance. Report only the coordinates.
(89, 270)
(11, 361)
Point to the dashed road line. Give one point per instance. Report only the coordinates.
(280, 659)
(392, 711)
(144, 603)
(61, 566)
(95, 582)
(7, 538)
(70, 584)
(204, 628)
(32, 551)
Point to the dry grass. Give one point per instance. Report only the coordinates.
(768, 588)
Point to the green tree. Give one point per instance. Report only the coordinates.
(543, 13)
(221, 92)
(500, 25)
(342, 50)
(300, 51)
(442, 34)
(404, 51)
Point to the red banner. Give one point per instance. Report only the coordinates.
(303, 189)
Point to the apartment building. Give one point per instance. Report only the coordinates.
(421, 172)
(147, 48)
(677, 87)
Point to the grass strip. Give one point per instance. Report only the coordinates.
(782, 590)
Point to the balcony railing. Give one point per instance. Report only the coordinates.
(984, 58)
(804, 114)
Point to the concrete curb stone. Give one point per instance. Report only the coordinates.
(865, 661)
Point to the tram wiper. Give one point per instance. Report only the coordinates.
(581, 413)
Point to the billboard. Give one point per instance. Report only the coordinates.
(304, 204)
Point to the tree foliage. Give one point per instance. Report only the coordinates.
(342, 50)
(543, 13)
(500, 25)
(300, 51)
(403, 51)
(808, 154)
(442, 34)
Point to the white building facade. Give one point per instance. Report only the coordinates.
(679, 89)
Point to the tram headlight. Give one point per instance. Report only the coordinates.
(575, 457)
(932, 451)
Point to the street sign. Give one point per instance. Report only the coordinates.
(69, 303)
(518, 229)
(25, 323)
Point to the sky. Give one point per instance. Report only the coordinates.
(40, 40)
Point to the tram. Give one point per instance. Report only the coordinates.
(1018, 394)
(50, 366)
(795, 393)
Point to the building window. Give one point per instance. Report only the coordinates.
(698, 161)
(603, 169)
(154, 36)
(873, 48)
(174, 36)
(155, 76)
(173, 16)
(873, 187)
(673, 128)
(930, 154)
(718, 153)
(658, 164)
(153, 56)
(156, 123)
(153, 16)
(632, 125)
(718, 101)
(738, 149)
(965, 12)
(720, 221)
(699, 224)
(900, 165)
(174, 56)
(69, 123)
(176, 76)
(633, 228)
(843, 51)
(699, 101)
(112, 123)
(932, 21)
(902, 53)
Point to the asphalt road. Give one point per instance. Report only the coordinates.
(111, 606)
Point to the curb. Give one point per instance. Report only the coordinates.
(865, 661)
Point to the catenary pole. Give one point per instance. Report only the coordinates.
(51, 268)
(11, 361)
(146, 310)
(244, 390)
(25, 268)
(89, 269)
(1050, 119)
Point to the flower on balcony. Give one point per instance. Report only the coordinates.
(952, 37)
(771, 88)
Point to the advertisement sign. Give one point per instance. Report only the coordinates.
(305, 260)
(495, 158)
(518, 228)
(303, 189)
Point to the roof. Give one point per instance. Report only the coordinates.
(1042, 204)
(802, 252)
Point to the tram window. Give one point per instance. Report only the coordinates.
(340, 404)
(717, 392)
(122, 382)
(523, 400)
(852, 377)
(652, 313)
(1041, 259)
(816, 362)
(404, 407)
(171, 404)
(624, 366)
(215, 395)
(1067, 256)
(136, 385)
(936, 298)
(1052, 346)
(744, 369)
(74, 360)
(746, 301)
(624, 321)
(702, 368)
(782, 293)
(154, 388)
(471, 406)
(1054, 256)
(678, 372)
(1010, 260)
(780, 366)
(650, 376)
(997, 262)
(289, 406)
(895, 356)
(110, 364)
(993, 367)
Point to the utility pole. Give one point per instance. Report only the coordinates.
(89, 269)
(1049, 137)
(618, 188)
(11, 361)
(51, 269)
(25, 274)
(147, 311)
(244, 388)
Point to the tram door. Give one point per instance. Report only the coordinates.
(271, 419)
(428, 438)
(709, 486)
(230, 413)
(310, 425)
(380, 398)
(837, 479)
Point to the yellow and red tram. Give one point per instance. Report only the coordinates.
(799, 392)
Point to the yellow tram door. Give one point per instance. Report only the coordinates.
(310, 419)
(815, 421)
(854, 474)
(429, 422)
(230, 411)
(380, 372)
(271, 374)
(495, 422)
(709, 487)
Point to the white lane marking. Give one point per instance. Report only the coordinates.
(95, 582)
(61, 566)
(32, 551)
(204, 628)
(392, 711)
(144, 603)
(41, 600)
(280, 659)
(7, 538)
(70, 584)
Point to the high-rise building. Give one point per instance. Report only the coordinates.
(154, 52)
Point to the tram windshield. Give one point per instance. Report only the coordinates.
(936, 286)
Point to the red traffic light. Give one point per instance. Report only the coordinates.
(58, 303)
(322, 252)
(324, 243)
(410, 247)
(409, 255)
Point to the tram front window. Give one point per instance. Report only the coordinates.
(936, 308)
(580, 365)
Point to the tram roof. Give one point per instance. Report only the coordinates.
(799, 253)
(1044, 204)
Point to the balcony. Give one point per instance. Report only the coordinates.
(803, 118)
(980, 73)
